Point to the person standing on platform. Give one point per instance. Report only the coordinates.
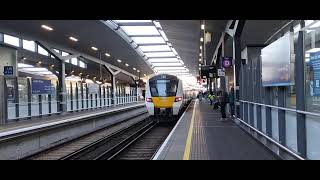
(211, 97)
(231, 101)
(200, 95)
(223, 98)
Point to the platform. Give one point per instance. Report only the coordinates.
(200, 135)
(44, 121)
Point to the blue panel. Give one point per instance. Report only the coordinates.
(40, 86)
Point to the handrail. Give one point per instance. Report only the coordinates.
(282, 108)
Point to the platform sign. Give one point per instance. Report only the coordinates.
(221, 73)
(315, 63)
(208, 71)
(8, 70)
(226, 62)
(40, 86)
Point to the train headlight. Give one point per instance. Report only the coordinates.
(178, 99)
(149, 99)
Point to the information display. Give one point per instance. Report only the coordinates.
(315, 76)
(40, 86)
(276, 63)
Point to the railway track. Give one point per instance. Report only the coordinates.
(63, 150)
(137, 139)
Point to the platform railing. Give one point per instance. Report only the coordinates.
(291, 115)
(21, 110)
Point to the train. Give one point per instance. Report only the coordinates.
(165, 96)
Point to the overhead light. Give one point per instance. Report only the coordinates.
(127, 64)
(138, 70)
(134, 68)
(52, 65)
(199, 64)
(39, 62)
(94, 48)
(202, 26)
(200, 47)
(144, 74)
(201, 39)
(48, 28)
(119, 60)
(107, 54)
(200, 54)
(73, 39)
(200, 59)
(199, 68)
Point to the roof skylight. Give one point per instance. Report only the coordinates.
(148, 40)
(140, 30)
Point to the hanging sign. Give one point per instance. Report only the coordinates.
(8, 70)
(221, 72)
(226, 62)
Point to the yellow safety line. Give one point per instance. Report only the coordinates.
(186, 155)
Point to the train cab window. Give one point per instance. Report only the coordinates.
(163, 88)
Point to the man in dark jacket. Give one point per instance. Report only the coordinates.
(223, 100)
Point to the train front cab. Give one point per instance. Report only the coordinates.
(164, 96)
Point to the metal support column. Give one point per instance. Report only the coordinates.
(282, 115)
(62, 87)
(236, 72)
(29, 96)
(268, 96)
(3, 101)
(114, 96)
(258, 93)
(300, 91)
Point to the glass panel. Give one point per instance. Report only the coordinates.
(74, 61)
(23, 97)
(140, 30)
(148, 40)
(42, 51)
(291, 130)
(131, 21)
(313, 134)
(29, 45)
(165, 87)
(45, 104)
(263, 119)
(11, 40)
(275, 124)
(164, 60)
(312, 70)
(155, 48)
(82, 64)
(160, 54)
(166, 64)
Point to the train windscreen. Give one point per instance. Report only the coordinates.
(163, 87)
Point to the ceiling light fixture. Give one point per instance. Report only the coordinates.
(127, 64)
(202, 26)
(73, 39)
(201, 39)
(134, 68)
(94, 48)
(107, 54)
(119, 60)
(48, 28)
